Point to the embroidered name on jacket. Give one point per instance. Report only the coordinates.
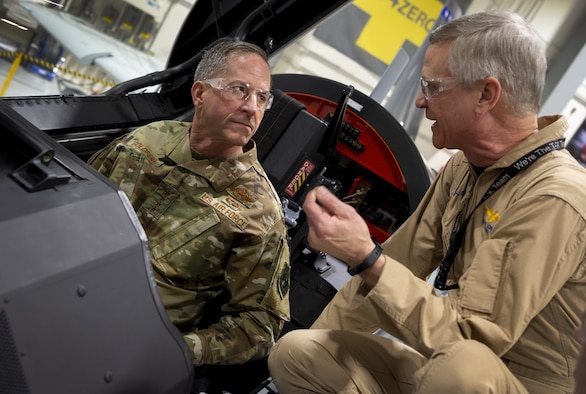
(227, 207)
(490, 219)
(145, 151)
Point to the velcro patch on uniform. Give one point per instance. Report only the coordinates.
(148, 154)
(242, 194)
(231, 202)
(226, 209)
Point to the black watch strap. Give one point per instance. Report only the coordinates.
(368, 261)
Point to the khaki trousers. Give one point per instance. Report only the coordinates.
(348, 358)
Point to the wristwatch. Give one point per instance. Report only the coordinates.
(368, 261)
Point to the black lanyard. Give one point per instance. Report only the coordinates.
(458, 230)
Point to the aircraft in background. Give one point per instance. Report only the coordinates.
(89, 46)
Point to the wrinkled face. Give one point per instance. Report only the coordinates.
(448, 104)
(224, 117)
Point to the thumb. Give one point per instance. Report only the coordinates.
(319, 201)
(324, 196)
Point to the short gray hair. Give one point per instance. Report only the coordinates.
(214, 61)
(497, 44)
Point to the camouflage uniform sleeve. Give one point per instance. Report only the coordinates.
(112, 161)
(258, 280)
(104, 159)
(121, 164)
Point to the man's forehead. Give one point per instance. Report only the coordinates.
(435, 61)
(250, 68)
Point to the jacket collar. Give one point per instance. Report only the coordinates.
(219, 172)
(550, 128)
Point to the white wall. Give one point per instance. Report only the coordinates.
(168, 30)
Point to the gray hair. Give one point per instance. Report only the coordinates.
(497, 44)
(214, 61)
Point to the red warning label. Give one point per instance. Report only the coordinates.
(300, 177)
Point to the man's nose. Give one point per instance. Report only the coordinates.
(420, 101)
(253, 101)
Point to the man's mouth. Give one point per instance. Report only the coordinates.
(245, 124)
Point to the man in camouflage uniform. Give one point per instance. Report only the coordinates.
(214, 223)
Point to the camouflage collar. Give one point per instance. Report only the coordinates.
(220, 173)
(177, 148)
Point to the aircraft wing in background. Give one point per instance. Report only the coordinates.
(90, 46)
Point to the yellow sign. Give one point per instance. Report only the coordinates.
(394, 21)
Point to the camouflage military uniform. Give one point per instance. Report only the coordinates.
(216, 232)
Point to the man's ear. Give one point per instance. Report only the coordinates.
(490, 94)
(197, 90)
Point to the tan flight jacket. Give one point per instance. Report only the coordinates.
(521, 267)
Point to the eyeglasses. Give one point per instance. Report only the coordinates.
(241, 91)
(433, 86)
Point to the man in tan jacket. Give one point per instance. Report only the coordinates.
(505, 222)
